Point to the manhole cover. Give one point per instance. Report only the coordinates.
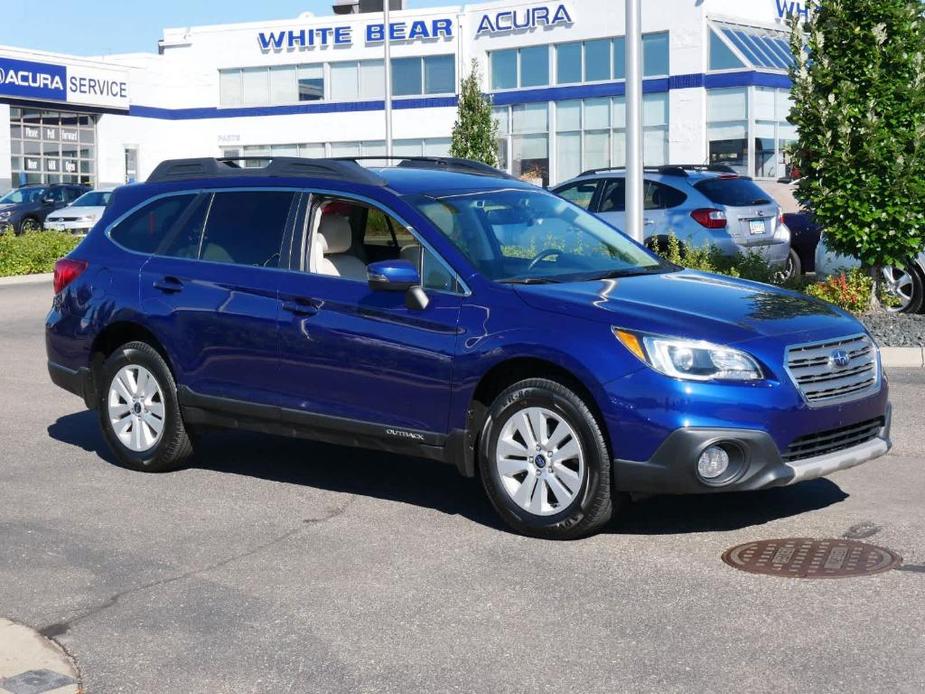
(804, 558)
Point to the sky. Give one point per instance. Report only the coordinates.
(100, 27)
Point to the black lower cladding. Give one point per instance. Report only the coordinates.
(76, 382)
(758, 462)
(280, 421)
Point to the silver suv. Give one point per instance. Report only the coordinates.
(700, 205)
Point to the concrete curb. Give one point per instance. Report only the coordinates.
(903, 357)
(26, 279)
(31, 663)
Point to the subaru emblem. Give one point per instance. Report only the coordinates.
(839, 359)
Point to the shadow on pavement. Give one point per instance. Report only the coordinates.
(433, 485)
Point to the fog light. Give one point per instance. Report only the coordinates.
(713, 463)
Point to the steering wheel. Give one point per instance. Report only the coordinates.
(544, 254)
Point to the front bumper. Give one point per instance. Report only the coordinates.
(72, 227)
(673, 468)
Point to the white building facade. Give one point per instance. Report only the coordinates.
(716, 90)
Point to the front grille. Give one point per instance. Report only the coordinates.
(833, 440)
(822, 382)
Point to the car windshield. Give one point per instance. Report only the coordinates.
(93, 199)
(523, 236)
(21, 195)
(734, 192)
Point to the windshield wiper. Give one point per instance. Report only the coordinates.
(629, 272)
(528, 280)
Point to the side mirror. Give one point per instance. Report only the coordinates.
(398, 276)
(392, 276)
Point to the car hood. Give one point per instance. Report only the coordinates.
(77, 212)
(694, 305)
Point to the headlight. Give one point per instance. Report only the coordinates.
(5, 215)
(86, 218)
(690, 360)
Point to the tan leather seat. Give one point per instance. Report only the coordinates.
(331, 250)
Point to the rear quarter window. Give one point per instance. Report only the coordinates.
(144, 229)
(733, 192)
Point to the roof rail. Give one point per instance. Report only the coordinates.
(277, 167)
(669, 169)
(454, 164)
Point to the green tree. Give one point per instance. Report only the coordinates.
(859, 106)
(475, 133)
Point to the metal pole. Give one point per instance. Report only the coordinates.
(388, 80)
(634, 153)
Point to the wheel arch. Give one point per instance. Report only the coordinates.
(111, 338)
(502, 375)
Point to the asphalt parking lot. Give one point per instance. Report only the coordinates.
(286, 566)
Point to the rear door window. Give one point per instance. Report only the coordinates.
(614, 197)
(144, 229)
(658, 196)
(733, 192)
(247, 227)
(185, 238)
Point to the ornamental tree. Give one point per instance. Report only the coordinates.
(859, 105)
(475, 133)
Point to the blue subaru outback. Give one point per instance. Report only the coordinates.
(438, 308)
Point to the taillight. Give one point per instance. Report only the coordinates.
(711, 219)
(66, 271)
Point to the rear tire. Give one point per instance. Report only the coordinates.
(544, 462)
(29, 225)
(138, 410)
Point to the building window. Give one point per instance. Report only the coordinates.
(504, 69)
(256, 86)
(773, 133)
(311, 82)
(431, 147)
(727, 127)
(503, 119)
(534, 66)
(52, 147)
(431, 75)
(406, 77)
(597, 60)
(591, 134)
(440, 74)
(655, 55)
(284, 85)
(530, 142)
(602, 60)
(372, 80)
(345, 82)
(568, 63)
(520, 67)
(722, 56)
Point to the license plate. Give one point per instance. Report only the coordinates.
(756, 226)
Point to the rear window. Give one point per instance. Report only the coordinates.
(143, 230)
(734, 192)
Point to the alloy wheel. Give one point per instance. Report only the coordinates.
(540, 461)
(899, 283)
(136, 408)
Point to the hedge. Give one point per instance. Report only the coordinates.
(34, 252)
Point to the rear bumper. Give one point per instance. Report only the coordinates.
(673, 468)
(77, 382)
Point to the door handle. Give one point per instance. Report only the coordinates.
(168, 285)
(301, 307)
(648, 222)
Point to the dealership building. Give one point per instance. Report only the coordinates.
(715, 90)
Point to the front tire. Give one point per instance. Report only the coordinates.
(138, 410)
(29, 225)
(908, 286)
(544, 462)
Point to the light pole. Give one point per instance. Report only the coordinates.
(634, 153)
(388, 79)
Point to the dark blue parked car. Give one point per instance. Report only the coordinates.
(442, 309)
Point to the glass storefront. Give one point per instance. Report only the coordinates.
(747, 129)
(52, 147)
